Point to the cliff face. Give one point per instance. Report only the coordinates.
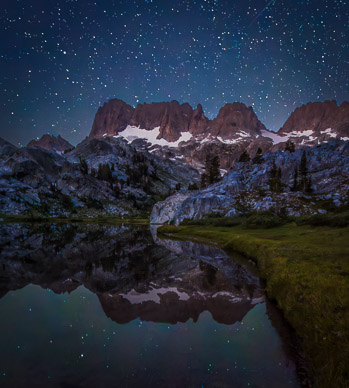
(317, 122)
(172, 118)
(177, 130)
(236, 120)
(111, 118)
(199, 122)
(51, 143)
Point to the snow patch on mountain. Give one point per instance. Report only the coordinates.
(294, 134)
(307, 133)
(131, 133)
(243, 134)
(227, 141)
(206, 139)
(329, 132)
(274, 137)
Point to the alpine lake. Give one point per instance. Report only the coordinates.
(89, 305)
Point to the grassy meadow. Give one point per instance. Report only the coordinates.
(306, 269)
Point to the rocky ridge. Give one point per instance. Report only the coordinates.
(148, 150)
(246, 187)
(175, 130)
(100, 176)
(51, 143)
(318, 117)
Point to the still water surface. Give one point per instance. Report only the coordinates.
(114, 306)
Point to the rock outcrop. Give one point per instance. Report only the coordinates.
(51, 143)
(233, 121)
(236, 121)
(163, 212)
(246, 187)
(171, 118)
(316, 123)
(100, 176)
(318, 117)
(235, 127)
(111, 118)
(199, 122)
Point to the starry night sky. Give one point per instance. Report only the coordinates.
(60, 60)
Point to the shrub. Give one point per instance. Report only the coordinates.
(214, 220)
(93, 203)
(334, 220)
(67, 202)
(193, 186)
(263, 220)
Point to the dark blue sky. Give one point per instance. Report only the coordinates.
(59, 60)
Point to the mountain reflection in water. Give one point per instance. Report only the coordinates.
(132, 277)
(137, 278)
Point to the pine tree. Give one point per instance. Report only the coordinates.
(244, 157)
(193, 186)
(303, 171)
(203, 183)
(83, 166)
(207, 165)
(205, 177)
(214, 172)
(278, 184)
(258, 159)
(309, 186)
(289, 146)
(273, 172)
(116, 190)
(275, 175)
(104, 172)
(295, 185)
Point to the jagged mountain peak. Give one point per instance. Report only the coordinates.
(318, 117)
(111, 118)
(51, 143)
(192, 136)
(236, 119)
(173, 118)
(4, 142)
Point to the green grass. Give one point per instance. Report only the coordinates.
(307, 273)
(96, 220)
(268, 219)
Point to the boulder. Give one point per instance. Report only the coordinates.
(164, 212)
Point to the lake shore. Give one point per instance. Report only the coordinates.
(78, 219)
(307, 273)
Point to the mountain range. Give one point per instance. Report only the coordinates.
(177, 131)
(135, 157)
